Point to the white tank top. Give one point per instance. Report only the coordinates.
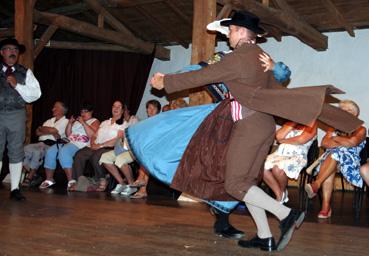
(79, 136)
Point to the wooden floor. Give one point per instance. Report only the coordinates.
(95, 224)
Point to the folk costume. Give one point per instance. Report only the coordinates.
(13, 110)
(224, 158)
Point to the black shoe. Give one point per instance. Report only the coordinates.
(223, 228)
(265, 244)
(288, 226)
(16, 195)
(230, 232)
(36, 181)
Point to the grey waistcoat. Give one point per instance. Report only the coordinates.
(10, 99)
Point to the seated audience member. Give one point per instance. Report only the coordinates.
(153, 108)
(342, 151)
(364, 169)
(289, 158)
(364, 172)
(112, 162)
(79, 132)
(178, 103)
(120, 157)
(103, 141)
(51, 130)
(166, 108)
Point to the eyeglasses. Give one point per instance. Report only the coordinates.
(10, 49)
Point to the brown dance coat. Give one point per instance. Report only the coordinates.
(203, 176)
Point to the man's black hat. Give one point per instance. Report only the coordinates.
(245, 19)
(12, 41)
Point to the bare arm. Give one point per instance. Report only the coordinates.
(284, 130)
(44, 130)
(90, 129)
(308, 134)
(327, 141)
(109, 143)
(351, 141)
(68, 129)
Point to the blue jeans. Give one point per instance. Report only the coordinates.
(64, 153)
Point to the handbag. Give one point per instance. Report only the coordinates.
(119, 147)
(49, 142)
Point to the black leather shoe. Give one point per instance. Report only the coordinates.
(223, 228)
(230, 232)
(288, 226)
(16, 195)
(265, 244)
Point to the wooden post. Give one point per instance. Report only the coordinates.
(203, 43)
(23, 30)
(100, 21)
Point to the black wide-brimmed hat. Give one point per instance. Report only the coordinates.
(245, 19)
(12, 41)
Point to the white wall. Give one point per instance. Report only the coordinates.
(180, 57)
(345, 64)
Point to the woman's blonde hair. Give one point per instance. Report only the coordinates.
(350, 105)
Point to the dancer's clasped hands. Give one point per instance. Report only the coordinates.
(157, 81)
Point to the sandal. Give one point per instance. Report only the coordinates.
(138, 195)
(46, 184)
(72, 185)
(102, 185)
(310, 190)
(138, 184)
(26, 182)
(325, 214)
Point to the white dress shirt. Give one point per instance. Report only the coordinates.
(60, 125)
(30, 91)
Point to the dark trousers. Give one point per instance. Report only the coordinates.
(12, 130)
(87, 154)
(249, 145)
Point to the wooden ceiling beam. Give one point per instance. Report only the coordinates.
(119, 26)
(282, 4)
(49, 32)
(92, 31)
(338, 15)
(178, 12)
(273, 31)
(225, 11)
(6, 32)
(70, 9)
(65, 10)
(130, 3)
(86, 46)
(110, 19)
(265, 2)
(285, 22)
(163, 27)
(100, 21)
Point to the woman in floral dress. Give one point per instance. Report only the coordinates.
(343, 152)
(289, 158)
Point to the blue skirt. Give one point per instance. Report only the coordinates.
(158, 143)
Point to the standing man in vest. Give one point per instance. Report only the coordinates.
(18, 86)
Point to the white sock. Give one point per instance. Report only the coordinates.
(15, 175)
(257, 197)
(261, 221)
